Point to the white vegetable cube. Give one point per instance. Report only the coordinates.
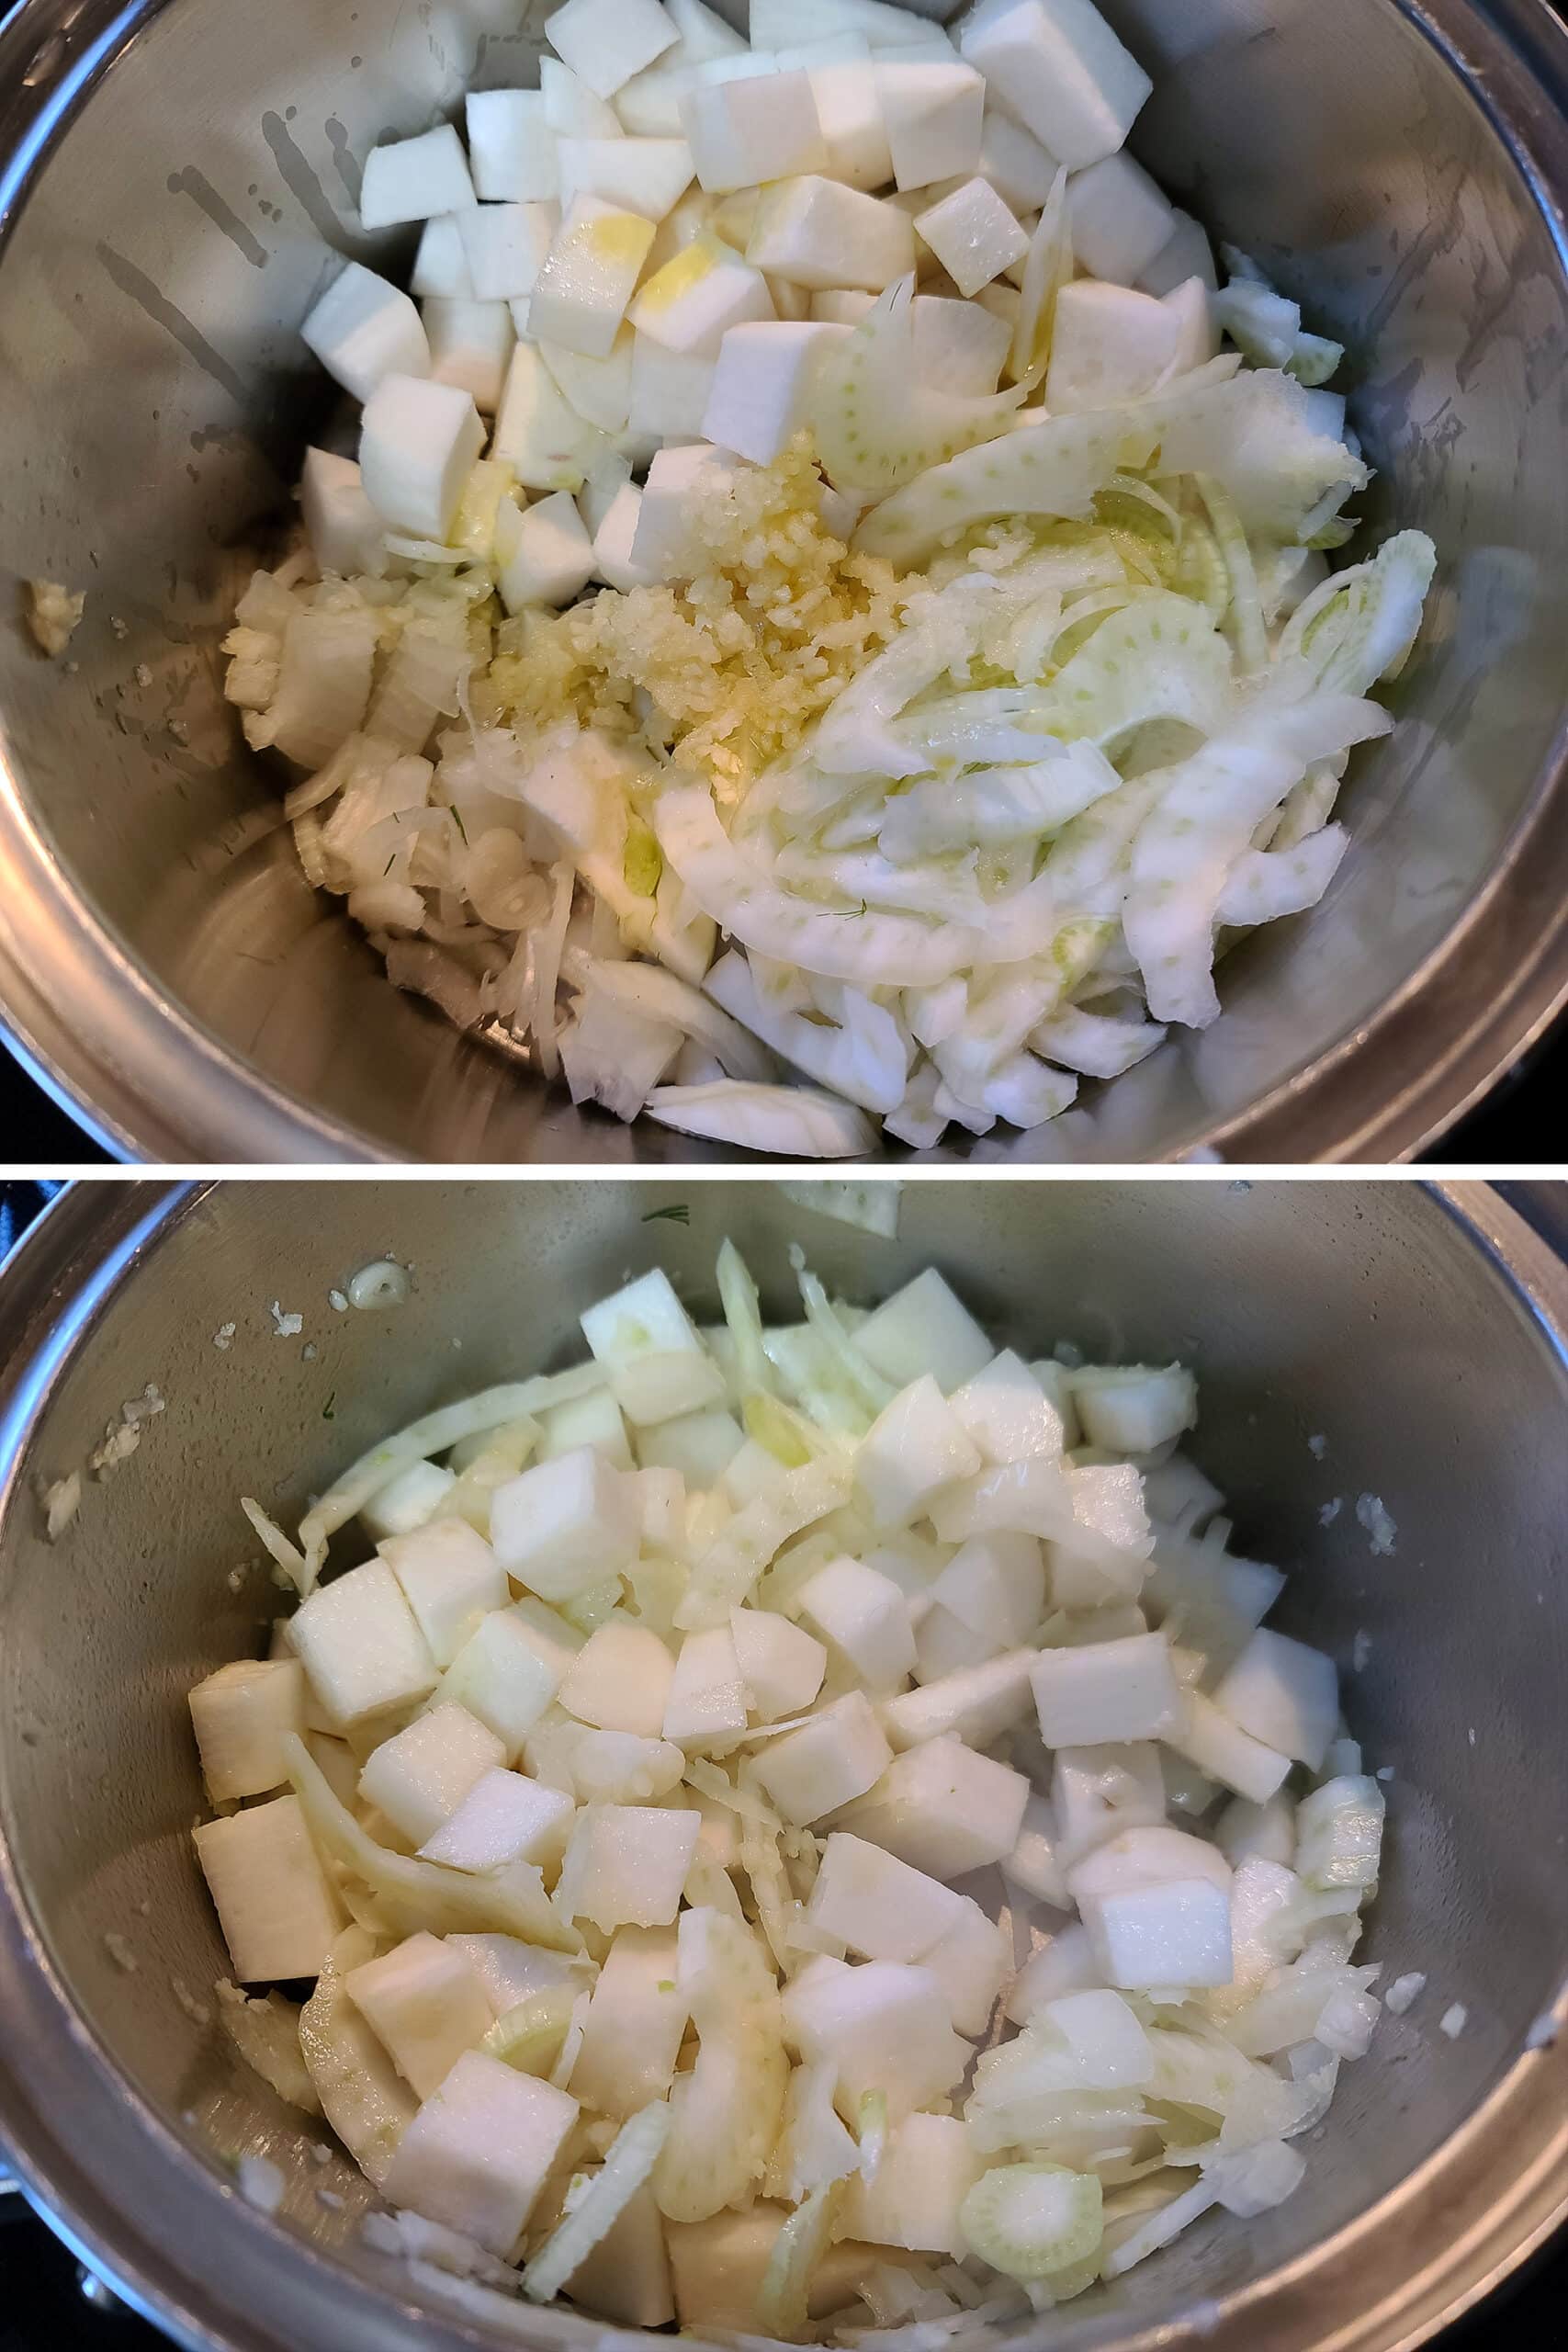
(1103, 2037)
(703, 292)
(1014, 161)
(664, 546)
(406, 1501)
(441, 265)
(1191, 305)
(973, 234)
(817, 233)
(278, 1910)
(537, 432)
(944, 1644)
(626, 2278)
(1065, 1964)
(970, 1962)
(943, 1809)
(470, 345)
(363, 329)
(645, 175)
(421, 1775)
(606, 42)
(1109, 343)
(763, 384)
(781, 1664)
(343, 527)
(566, 1524)
(478, 2153)
(836, 1757)
(923, 1328)
(1119, 221)
(1285, 1694)
(878, 1905)
(594, 1420)
(510, 1970)
(647, 1343)
(505, 246)
(1097, 1792)
(916, 1446)
(1176, 1933)
(631, 2037)
(1226, 1753)
(418, 444)
(572, 108)
(707, 1698)
(1060, 69)
(505, 1817)
(883, 2027)
(862, 1615)
(995, 1586)
(425, 2004)
(581, 295)
(700, 1445)
(613, 559)
(978, 1702)
(414, 179)
(506, 1675)
(512, 149)
(544, 553)
(1147, 1857)
(627, 1865)
(620, 1680)
(1107, 1691)
(1035, 1861)
(1004, 1408)
(847, 92)
(1339, 1832)
(718, 2266)
(450, 1578)
(360, 1646)
(1186, 252)
(239, 1716)
(744, 132)
(933, 113)
(928, 2168)
(1247, 1832)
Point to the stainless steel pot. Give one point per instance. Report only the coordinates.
(1420, 1334)
(169, 177)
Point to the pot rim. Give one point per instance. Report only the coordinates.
(113, 2182)
(149, 1080)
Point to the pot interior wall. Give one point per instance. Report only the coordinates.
(1366, 1316)
(154, 401)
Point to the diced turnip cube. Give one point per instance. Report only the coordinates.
(761, 386)
(862, 1615)
(1285, 1694)
(1153, 1856)
(566, 1524)
(512, 149)
(836, 1757)
(695, 298)
(817, 233)
(1197, 332)
(363, 329)
(670, 388)
(418, 444)
(923, 1328)
(744, 132)
(450, 1578)
(600, 390)
(571, 110)
(970, 1962)
(1004, 1408)
(636, 2020)
(1176, 1933)
(1247, 1832)
(423, 1773)
(441, 266)
(1103, 2037)
(1097, 1792)
(1339, 1832)
(581, 295)
(885, 2027)
(594, 1420)
(505, 246)
(701, 1445)
(1014, 161)
(506, 1673)
(360, 1646)
(995, 1585)
(664, 546)
(1065, 1964)
(1119, 222)
(781, 1664)
(470, 345)
(1032, 1498)
(278, 1910)
(978, 1702)
(927, 2169)
(544, 555)
(425, 2004)
(613, 563)
(606, 42)
(1226, 1753)
(538, 433)
(627, 1865)
(1219, 1602)
(407, 1501)
(239, 1716)
(1035, 1861)
(620, 1680)
(944, 1644)
(933, 112)
(943, 1809)
(708, 1696)
(718, 2267)
(343, 527)
(510, 1970)
(414, 179)
(848, 96)
(647, 1343)
(643, 176)
(626, 2277)
(878, 1905)
(478, 2153)
(1185, 253)
(973, 234)
(505, 1817)
(915, 1447)
(1060, 69)
(1109, 345)
(1107, 1691)
(602, 1766)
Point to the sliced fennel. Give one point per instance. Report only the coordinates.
(1029, 2219)
(877, 424)
(631, 2159)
